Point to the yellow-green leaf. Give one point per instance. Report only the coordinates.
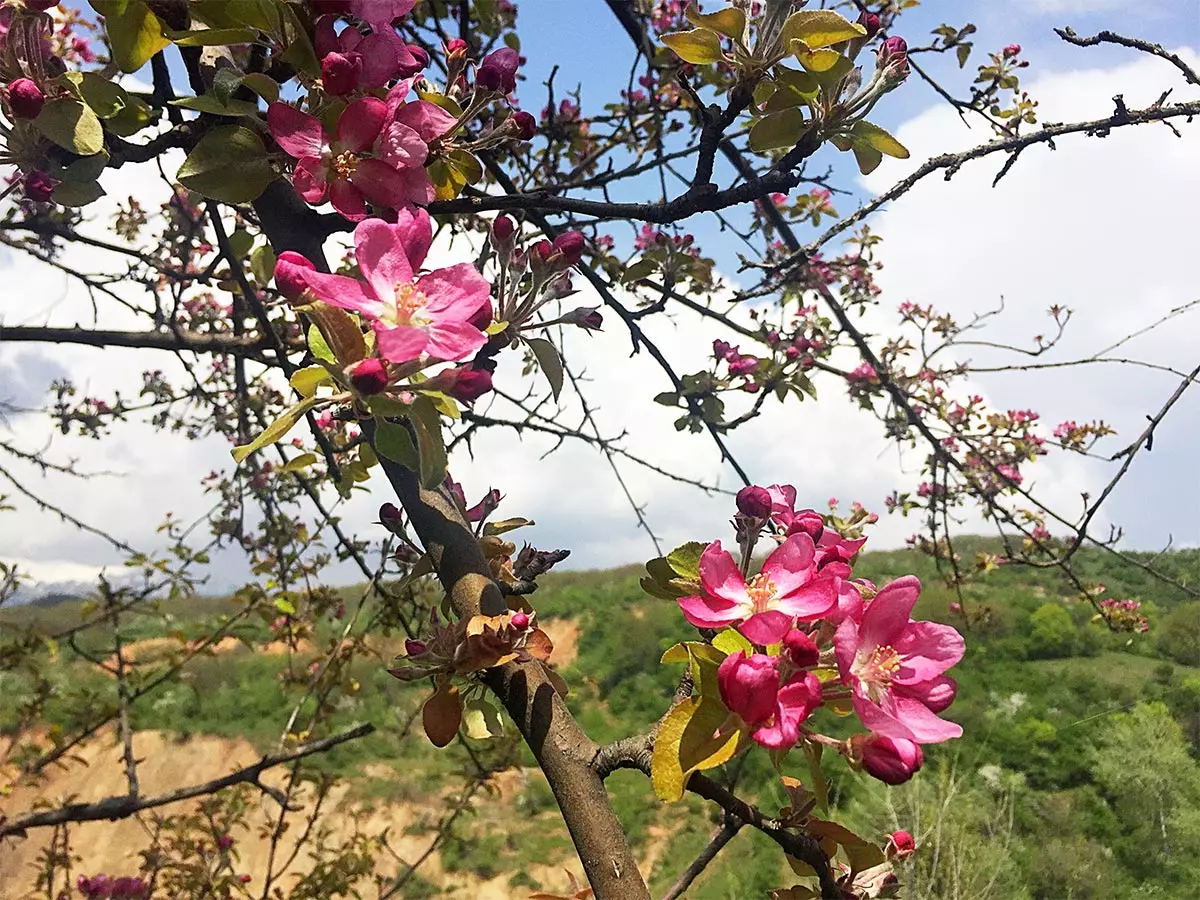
(342, 336)
(685, 744)
(447, 180)
(300, 463)
(776, 130)
(815, 60)
(307, 380)
(77, 193)
(134, 31)
(731, 641)
(427, 424)
(71, 125)
(730, 21)
(393, 441)
(277, 430)
(549, 362)
(819, 28)
(213, 37)
(263, 85)
(228, 164)
(880, 139)
(698, 46)
(481, 720)
(867, 157)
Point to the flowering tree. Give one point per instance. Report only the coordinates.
(283, 126)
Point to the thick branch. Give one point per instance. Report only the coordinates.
(113, 808)
(191, 341)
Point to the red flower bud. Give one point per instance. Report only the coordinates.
(25, 98)
(520, 621)
(340, 72)
(420, 59)
(389, 516)
(754, 501)
(801, 649)
(891, 760)
(1012, 50)
(503, 229)
(289, 274)
(570, 244)
(414, 648)
(870, 22)
(900, 845)
(457, 49)
(39, 186)
(470, 384)
(524, 124)
(896, 46)
(498, 71)
(370, 376)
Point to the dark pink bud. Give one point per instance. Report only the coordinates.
(587, 317)
(470, 384)
(414, 648)
(801, 649)
(25, 98)
(39, 186)
(1012, 50)
(891, 760)
(571, 245)
(524, 125)
(224, 842)
(244, 879)
(484, 507)
(340, 72)
(503, 229)
(370, 376)
(896, 46)
(41, 5)
(900, 845)
(754, 501)
(722, 349)
(539, 255)
(289, 273)
(340, 612)
(482, 318)
(389, 516)
(455, 490)
(457, 49)
(520, 621)
(870, 22)
(420, 59)
(743, 365)
(498, 71)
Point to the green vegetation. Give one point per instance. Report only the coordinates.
(1077, 776)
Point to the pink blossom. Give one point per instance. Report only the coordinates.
(380, 14)
(750, 688)
(338, 168)
(895, 667)
(413, 316)
(764, 609)
(891, 760)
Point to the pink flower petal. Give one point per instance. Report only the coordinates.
(309, 180)
(382, 257)
(767, 627)
(790, 565)
(419, 186)
(454, 340)
(887, 616)
(296, 132)
(905, 717)
(720, 576)
(381, 58)
(401, 147)
(845, 646)
(795, 702)
(710, 612)
(399, 91)
(427, 119)
(415, 229)
(347, 293)
(926, 650)
(456, 292)
(402, 344)
(325, 38)
(347, 200)
(937, 693)
(380, 14)
(811, 601)
(360, 123)
(380, 183)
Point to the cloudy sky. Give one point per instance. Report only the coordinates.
(1105, 227)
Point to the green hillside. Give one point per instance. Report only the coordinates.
(1077, 775)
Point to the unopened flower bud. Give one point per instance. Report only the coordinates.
(457, 49)
(901, 845)
(520, 621)
(586, 317)
(1012, 50)
(891, 760)
(340, 72)
(390, 518)
(571, 245)
(524, 125)
(470, 384)
(893, 61)
(498, 71)
(25, 98)
(414, 648)
(558, 287)
(754, 501)
(870, 22)
(503, 229)
(39, 186)
(801, 649)
(370, 376)
(41, 5)
(289, 274)
(485, 507)
(420, 59)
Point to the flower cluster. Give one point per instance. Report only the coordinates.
(105, 887)
(819, 636)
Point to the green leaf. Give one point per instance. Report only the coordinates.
(318, 346)
(307, 380)
(466, 164)
(868, 158)
(263, 85)
(685, 559)
(731, 641)
(730, 21)
(963, 52)
(134, 31)
(300, 463)
(277, 430)
(86, 168)
(213, 37)
(340, 331)
(77, 193)
(105, 97)
(874, 136)
(780, 129)
(481, 720)
(71, 125)
(286, 607)
(392, 441)
(505, 525)
(549, 362)
(133, 117)
(819, 28)
(427, 423)
(240, 243)
(209, 103)
(639, 270)
(229, 164)
(262, 264)
(699, 46)
(815, 60)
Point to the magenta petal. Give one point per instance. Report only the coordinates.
(845, 646)
(380, 183)
(849, 602)
(309, 180)
(790, 565)
(380, 14)
(454, 340)
(396, 96)
(905, 717)
(710, 612)
(888, 614)
(937, 693)
(456, 292)
(347, 200)
(748, 685)
(427, 119)
(811, 601)
(401, 344)
(419, 186)
(415, 229)
(347, 293)
(296, 132)
(381, 58)
(401, 147)
(382, 257)
(325, 39)
(721, 577)
(926, 650)
(766, 627)
(359, 124)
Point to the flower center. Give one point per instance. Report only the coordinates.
(345, 164)
(410, 306)
(761, 590)
(875, 669)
